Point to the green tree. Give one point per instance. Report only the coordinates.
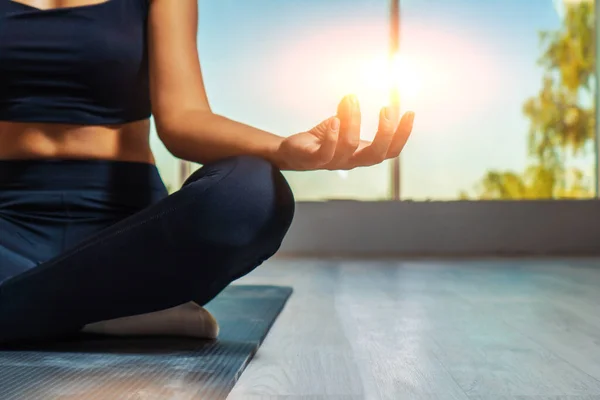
(561, 115)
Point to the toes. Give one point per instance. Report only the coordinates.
(210, 326)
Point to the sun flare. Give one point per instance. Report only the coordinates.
(398, 75)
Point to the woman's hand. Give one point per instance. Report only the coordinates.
(335, 143)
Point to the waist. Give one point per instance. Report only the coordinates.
(25, 141)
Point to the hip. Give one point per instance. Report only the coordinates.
(52, 205)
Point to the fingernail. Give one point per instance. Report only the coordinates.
(386, 113)
(335, 124)
(411, 117)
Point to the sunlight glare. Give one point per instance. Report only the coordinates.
(384, 81)
(443, 77)
(399, 73)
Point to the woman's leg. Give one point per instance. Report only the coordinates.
(228, 218)
(12, 260)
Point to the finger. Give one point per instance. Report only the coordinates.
(349, 136)
(376, 151)
(348, 164)
(402, 134)
(329, 141)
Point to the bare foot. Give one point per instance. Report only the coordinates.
(188, 319)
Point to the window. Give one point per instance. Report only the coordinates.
(492, 122)
(283, 66)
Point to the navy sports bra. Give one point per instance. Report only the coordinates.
(84, 65)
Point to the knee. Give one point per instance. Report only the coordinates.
(253, 201)
(261, 200)
(264, 192)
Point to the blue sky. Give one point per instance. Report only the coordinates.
(283, 65)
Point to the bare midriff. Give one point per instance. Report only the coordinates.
(27, 141)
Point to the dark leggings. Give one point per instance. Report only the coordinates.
(117, 247)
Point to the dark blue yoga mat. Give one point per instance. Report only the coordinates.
(94, 368)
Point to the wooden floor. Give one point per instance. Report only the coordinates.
(526, 330)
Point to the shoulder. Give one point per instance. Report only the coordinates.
(177, 15)
(180, 8)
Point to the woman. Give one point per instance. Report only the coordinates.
(89, 238)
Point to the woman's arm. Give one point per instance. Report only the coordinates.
(191, 131)
(184, 120)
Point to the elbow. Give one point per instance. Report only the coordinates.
(169, 135)
(175, 142)
(174, 146)
(174, 129)
(172, 134)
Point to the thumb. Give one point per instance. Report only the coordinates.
(327, 131)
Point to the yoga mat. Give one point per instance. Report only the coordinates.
(99, 368)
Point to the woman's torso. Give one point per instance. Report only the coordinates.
(81, 138)
(128, 142)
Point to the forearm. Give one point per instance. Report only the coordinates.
(204, 137)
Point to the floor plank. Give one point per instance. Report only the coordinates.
(473, 330)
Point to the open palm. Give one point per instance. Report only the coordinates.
(335, 143)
